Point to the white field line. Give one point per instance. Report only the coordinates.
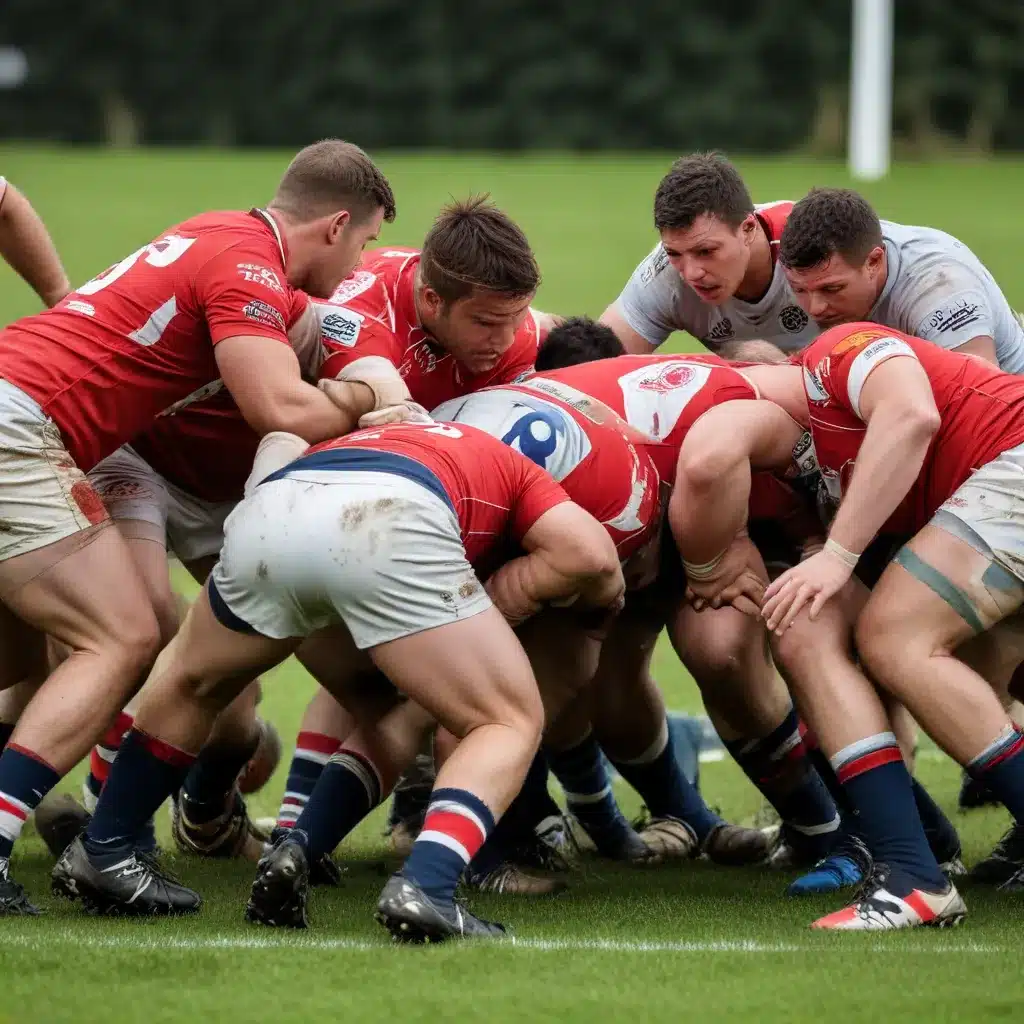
(45, 939)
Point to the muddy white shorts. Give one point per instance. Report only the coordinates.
(131, 489)
(987, 511)
(44, 496)
(378, 551)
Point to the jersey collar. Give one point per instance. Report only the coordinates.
(271, 221)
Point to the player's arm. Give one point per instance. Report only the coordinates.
(898, 406)
(952, 309)
(264, 378)
(632, 340)
(26, 245)
(569, 557)
(643, 316)
(983, 347)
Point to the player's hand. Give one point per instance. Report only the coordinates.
(736, 580)
(809, 584)
(403, 412)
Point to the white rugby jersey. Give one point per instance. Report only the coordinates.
(656, 301)
(937, 289)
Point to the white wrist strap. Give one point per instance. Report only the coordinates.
(844, 556)
(701, 571)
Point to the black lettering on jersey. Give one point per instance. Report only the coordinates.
(955, 319)
(654, 265)
(793, 319)
(722, 331)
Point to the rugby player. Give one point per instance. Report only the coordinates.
(664, 397)
(25, 245)
(206, 301)
(339, 536)
(715, 272)
(843, 264)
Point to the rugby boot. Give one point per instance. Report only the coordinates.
(974, 793)
(876, 908)
(1005, 860)
(848, 864)
(231, 834)
(59, 819)
(14, 901)
(666, 839)
(325, 870)
(555, 848)
(508, 879)
(281, 889)
(130, 885)
(737, 846)
(410, 915)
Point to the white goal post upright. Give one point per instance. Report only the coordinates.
(871, 89)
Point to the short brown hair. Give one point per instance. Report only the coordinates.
(472, 244)
(333, 175)
(829, 221)
(699, 184)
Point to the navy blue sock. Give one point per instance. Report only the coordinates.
(347, 790)
(24, 781)
(515, 829)
(657, 777)
(456, 825)
(588, 794)
(6, 732)
(1001, 767)
(878, 786)
(144, 774)
(211, 780)
(939, 830)
(778, 764)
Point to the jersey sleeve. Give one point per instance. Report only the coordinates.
(356, 329)
(947, 305)
(241, 293)
(534, 494)
(648, 301)
(847, 363)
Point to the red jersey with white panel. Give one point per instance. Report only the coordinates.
(377, 317)
(108, 358)
(981, 408)
(660, 396)
(583, 445)
(496, 493)
(203, 444)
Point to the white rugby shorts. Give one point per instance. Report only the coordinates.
(375, 550)
(989, 506)
(44, 496)
(132, 489)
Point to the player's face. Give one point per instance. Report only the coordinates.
(834, 292)
(479, 329)
(345, 244)
(711, 257)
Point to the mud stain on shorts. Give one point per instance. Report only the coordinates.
(262, 570)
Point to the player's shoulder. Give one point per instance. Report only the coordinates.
(390, 263)
(252, 240)
(655, 271)
(915, 241)
(773, 216)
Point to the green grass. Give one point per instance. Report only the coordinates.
(681, 942)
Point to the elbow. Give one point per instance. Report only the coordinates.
(698, 472)
(922, 423)
(593, 557)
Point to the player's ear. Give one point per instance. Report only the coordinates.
(875, 259)
(432, 303)
(336, 224)
(749, 227)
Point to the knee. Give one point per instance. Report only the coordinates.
(715, 660)
(882, 647)
(137, 643)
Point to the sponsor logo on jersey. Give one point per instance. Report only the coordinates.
(962, 315)
(654, 265)
(812, 385)
(260, 275)
(355, 284)
(793, 319)
(424, 356)
(263, 313)
(339, 325)
(858, 340)
(669, 377)
(85, 308)
(805, 459)
(721, 331)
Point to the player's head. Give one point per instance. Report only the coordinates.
(577, 340)
(833, 255)
(333, 200)
(706, 220)
(478, 275)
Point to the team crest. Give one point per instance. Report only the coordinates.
(793, 319)
(669, 377)
(355, 284)
(858, 340)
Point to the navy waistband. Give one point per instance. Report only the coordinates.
(369, 460)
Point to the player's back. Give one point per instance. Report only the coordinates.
(127, 344)
(659, 396)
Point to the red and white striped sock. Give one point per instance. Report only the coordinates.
(102, 757)
(312, 751)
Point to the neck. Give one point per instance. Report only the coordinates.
(758, 278)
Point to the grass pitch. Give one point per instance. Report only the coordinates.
(687, 941)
